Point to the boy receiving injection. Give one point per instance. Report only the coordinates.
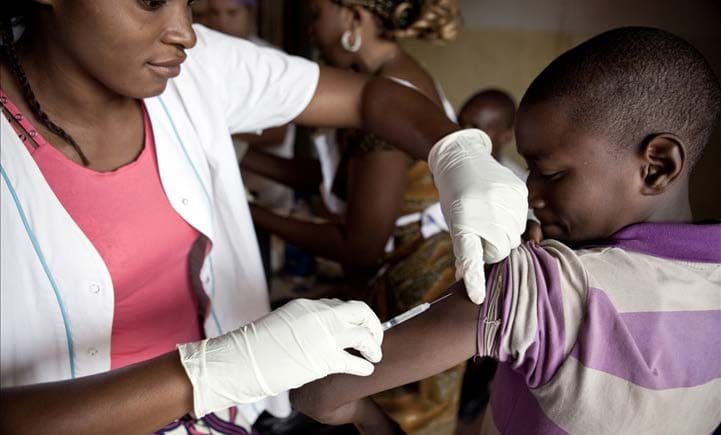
(612, 326)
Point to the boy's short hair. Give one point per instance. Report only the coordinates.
(633, 82)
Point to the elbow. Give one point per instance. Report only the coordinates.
(301, 401)
(307, 402)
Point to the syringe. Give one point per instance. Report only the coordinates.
(413, 312)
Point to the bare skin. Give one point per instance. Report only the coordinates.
(414, 350)
(297, 173)
(575, 177)
(105, 53)
(493, 111)
(359, 240)
(136, 399)
(377, 181)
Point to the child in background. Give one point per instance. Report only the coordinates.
(493, 111)
(613, 327)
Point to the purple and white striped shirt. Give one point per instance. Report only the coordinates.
(623, 337)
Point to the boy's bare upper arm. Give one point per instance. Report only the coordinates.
(436, 340)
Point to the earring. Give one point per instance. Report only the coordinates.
(351, 45)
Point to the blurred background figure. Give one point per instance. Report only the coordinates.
(493, 111)
(234, 17)
(503, 46)
(238, 18)
(381, 231)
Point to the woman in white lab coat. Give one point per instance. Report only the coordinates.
(118, 177)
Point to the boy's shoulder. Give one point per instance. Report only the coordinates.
(646, 267)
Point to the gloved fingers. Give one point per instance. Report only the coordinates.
(475, 285)
(468, 249)
(355, 365)
(362, 340)
(360, 314)
(453, 148)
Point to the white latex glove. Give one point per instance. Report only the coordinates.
(484, 204)
(302, 341)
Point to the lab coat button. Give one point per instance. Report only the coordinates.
(95, 288)
(185, 201)
(92, 351)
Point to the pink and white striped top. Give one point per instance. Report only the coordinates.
(143, 241)
(622, 337)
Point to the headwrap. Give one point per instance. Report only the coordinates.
(248, 3)
(395, 14)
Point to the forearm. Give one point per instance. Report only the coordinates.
(327, 240)
(299, 174)
(439, 339)
(138, 399)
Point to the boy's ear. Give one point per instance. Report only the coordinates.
(664, 160)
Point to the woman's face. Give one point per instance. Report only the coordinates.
(328, 22)
(130, 47)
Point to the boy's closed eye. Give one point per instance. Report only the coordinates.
(545, 171)
(552, 175)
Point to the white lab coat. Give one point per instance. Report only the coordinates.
(56, 294)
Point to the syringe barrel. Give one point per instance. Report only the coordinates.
(413, 312)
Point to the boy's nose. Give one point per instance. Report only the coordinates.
(536, 203)
(535, 198)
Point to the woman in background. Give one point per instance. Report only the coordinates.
(380, 192)
(123, 228)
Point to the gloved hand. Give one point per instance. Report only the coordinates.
(484, 204)
(302, 341)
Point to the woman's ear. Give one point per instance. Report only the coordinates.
(365, 19)
(664, 161)
(351, 16)
(348, 17)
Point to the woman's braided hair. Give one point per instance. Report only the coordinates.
(12, 15)
(436, 20)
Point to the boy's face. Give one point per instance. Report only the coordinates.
(581, 187)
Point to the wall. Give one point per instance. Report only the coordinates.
(506, 43)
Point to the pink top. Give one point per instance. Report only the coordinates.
(142, 240)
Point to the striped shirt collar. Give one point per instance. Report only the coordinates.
(686, 242)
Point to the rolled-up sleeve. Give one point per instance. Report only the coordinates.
(258, 87)
(534, 308)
